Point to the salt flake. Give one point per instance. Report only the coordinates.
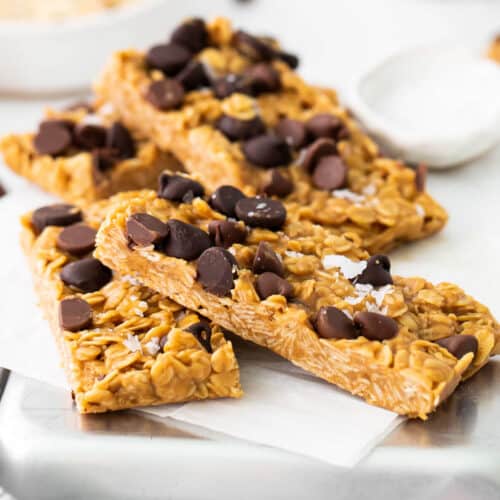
(132, 343)
(293, 254)
(420, 210)
(347, 194)
(348, 267)
(153, 346)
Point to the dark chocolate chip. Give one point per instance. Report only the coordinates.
(330, 173)
(144, 230)
(216, 269)
(193, 76)
(261, 212)
(252, 47)
(224, 200)
(203, 334)
(185, 241)
(120, 139)
(178, 188)
(316, 151)
(90, 137)
(86, 275)
(229, 84)
(293, 132)
(459, 345)
(267, 151)
(169, 58)
(60, 214)
(291, 59)
(261, 78)
(268, 284)
(421, 177)
(74, 314)
(266, 260)
(165, 94)
(377, 271)
(225, 233)
(52, 139)
(77, 239)
(343, 133)
(192, 34)
(103, 159)
(332, 323)
(324, 125)
(277, 184)
(375, 326)
(58, 122)
(237, 130)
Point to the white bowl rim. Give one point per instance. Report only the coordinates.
(33, 28)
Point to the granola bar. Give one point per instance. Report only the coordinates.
(233, 110)
(312, 297)
(83, 155)
(122, 344)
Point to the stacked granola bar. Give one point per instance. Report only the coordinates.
(274, 231)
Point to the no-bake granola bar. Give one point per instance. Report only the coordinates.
(83, 155)
(231, 107)
(122, 344)
(315, 298)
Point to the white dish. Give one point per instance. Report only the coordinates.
(50, 57)
(438, 104)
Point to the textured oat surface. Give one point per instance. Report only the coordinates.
(388, 208)
(73, 177)
(117, 363)
(409, 374)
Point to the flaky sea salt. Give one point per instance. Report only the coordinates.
(153, 346)
(348, 267)
(132, 343)
(293, 254)
(420, 210)
(380, 294)
(347, 194)
(130, 279)
(369, 190)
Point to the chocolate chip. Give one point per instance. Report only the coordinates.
(120, 139)
(261, 212)
(343, 133)
(268, 284)
(293, 132)
(52, 139)
(261, 78)
(229, 84)
(225, 233)
(185, 241)
(60, 214)
(291, 59)
(58, 122)
(3, 191)
(203, 334)
(237, 130)
(266, 260)
(77, 239)
(144, 230)
(178, 188)
(459, 345)
(192, 34)
(103, 159)
(377, 271)
(169, 58)
(375, 326)
(74, 314)
(224, 200)
(90, 137)
(252, 47)
(165, 94)
(216, 269)
(332, 323)
(193, 76)
(330, 173)
(267, 151)
(316, 151)
(277, 184)
(421, 177)
(86, 275)
(324, 125)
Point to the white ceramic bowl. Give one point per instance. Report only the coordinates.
(52, 57)
(443, 136)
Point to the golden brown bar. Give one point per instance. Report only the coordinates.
(122, 344)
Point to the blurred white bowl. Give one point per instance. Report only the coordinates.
(51, 57)
(438, 104)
